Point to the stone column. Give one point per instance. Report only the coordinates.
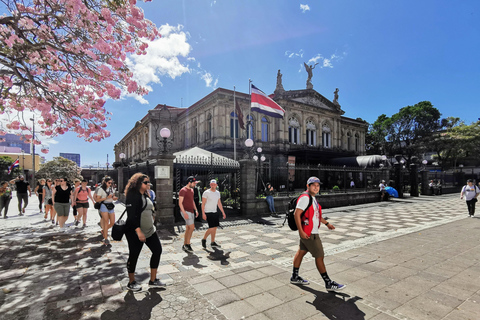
(413, 180)
(164, 186)
(425, 188)
(247, 187)
(399, 179)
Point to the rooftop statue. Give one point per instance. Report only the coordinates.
(309, 69)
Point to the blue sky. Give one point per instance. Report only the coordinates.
(382, 55)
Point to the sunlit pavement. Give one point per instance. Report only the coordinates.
(414, 258)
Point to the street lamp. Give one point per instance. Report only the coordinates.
(248, 150)
(165, 134)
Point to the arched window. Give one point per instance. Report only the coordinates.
(293, 130)
(250, 127)
(326, 137)
(357, 142)
(209, 126)
(349, 141)
(311, 133)
(264, 129)
(233, 125)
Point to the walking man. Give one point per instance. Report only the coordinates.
(308, 215)
(210, 201)
(22, 196)
(471, 193)
(189, 212)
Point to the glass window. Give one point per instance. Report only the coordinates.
(233, 121)
(264, 129)
(326, 137)
(293, 131)
(311, 134)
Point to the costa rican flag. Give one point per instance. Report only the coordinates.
(264, 104)
(15, 164)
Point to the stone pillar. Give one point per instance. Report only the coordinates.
(413, 180)
(425, 183)
(247, 187)
(399, 179)
(164, 187)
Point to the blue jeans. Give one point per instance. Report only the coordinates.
(271, 206)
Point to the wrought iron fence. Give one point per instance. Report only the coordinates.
(287, 180)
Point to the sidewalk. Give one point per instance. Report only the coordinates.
(406, 259)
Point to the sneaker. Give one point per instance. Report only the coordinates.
(20, 214)
(184, 248)
(77, 223)
(5, 217)
(53, 221)
(299, 280)
(84, 226)
(106, 242)
(204, 244)
(156, 284)
(216, 245)
(333, 286)
(134, 286)
(187, 248)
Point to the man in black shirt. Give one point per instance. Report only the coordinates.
(22, 196)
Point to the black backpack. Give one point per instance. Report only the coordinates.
(291, 211)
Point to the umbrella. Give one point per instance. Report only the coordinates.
(391, 191)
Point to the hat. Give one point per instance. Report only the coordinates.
(21, 177)
(191, 179)
(313, 180)
(213, 181)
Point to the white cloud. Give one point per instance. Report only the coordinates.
(304, 7)
(208, 78)
(164, 58)
(326, 62)
(291, 54)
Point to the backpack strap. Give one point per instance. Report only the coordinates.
(310, 201)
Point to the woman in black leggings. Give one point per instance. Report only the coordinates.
(139, 229)
(39, 193)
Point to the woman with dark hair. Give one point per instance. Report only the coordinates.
(139, 229)
(61, 196)
(39, 192)
(47, 199)
(105, 196)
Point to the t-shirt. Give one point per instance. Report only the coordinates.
(212, 200)
(382, 186)
(48, 192)
(82, 194)
(103, 194)
(22, 186)
(62, 196)
(187, 194)
(470, 192)
(303, 203)
(146, 219)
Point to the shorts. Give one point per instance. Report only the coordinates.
(49, 202)
(62, 209)
(82, 205)
(191, 218)
(213, 219)
(104, 209)
(313, 245)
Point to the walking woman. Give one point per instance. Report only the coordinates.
(47, 199)
(5, 197)
(105, 196)
(61, 196)
(81, 195)
(39, 192)
(139, 229)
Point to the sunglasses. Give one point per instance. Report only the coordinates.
(146, 182)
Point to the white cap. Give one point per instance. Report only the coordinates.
(213, 181)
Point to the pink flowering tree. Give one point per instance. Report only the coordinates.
(61, 60)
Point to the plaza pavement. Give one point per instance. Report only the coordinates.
(413, 258)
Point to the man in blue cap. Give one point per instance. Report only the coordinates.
(308, 225)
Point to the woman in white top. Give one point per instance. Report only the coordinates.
(471, 193)
(105, 196)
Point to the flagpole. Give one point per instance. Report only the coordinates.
(234, 125)
(249, 124)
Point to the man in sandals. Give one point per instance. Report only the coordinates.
(308, 225)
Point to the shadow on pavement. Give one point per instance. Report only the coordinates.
(192, 260)
(133, 308)
(219, 255)
(336, 305)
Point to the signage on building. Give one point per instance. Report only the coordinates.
(162, 172)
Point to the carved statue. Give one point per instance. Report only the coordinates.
(335, 99)
(279, 87)
(309, 69)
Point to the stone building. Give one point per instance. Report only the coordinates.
(313, 130)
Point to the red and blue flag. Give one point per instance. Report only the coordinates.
(262, 103)
(14, 165)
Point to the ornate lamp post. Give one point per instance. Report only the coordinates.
(399, 174)
(164, 144)
(122, 157)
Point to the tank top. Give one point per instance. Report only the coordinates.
(82, 195)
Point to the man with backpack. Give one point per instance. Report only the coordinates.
(308, 216)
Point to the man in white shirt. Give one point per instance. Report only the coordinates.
(471, 193)
(210, 201)
(382, 186)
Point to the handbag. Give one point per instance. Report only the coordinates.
(97, 205)
(118, 229)
(109, 205)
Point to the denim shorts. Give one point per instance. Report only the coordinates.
(104, 209)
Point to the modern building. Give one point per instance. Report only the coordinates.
(75, 157)
(313, 130)
(12, 140)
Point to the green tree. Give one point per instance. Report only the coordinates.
(5, 163)
(460, 142)
(58, 168)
